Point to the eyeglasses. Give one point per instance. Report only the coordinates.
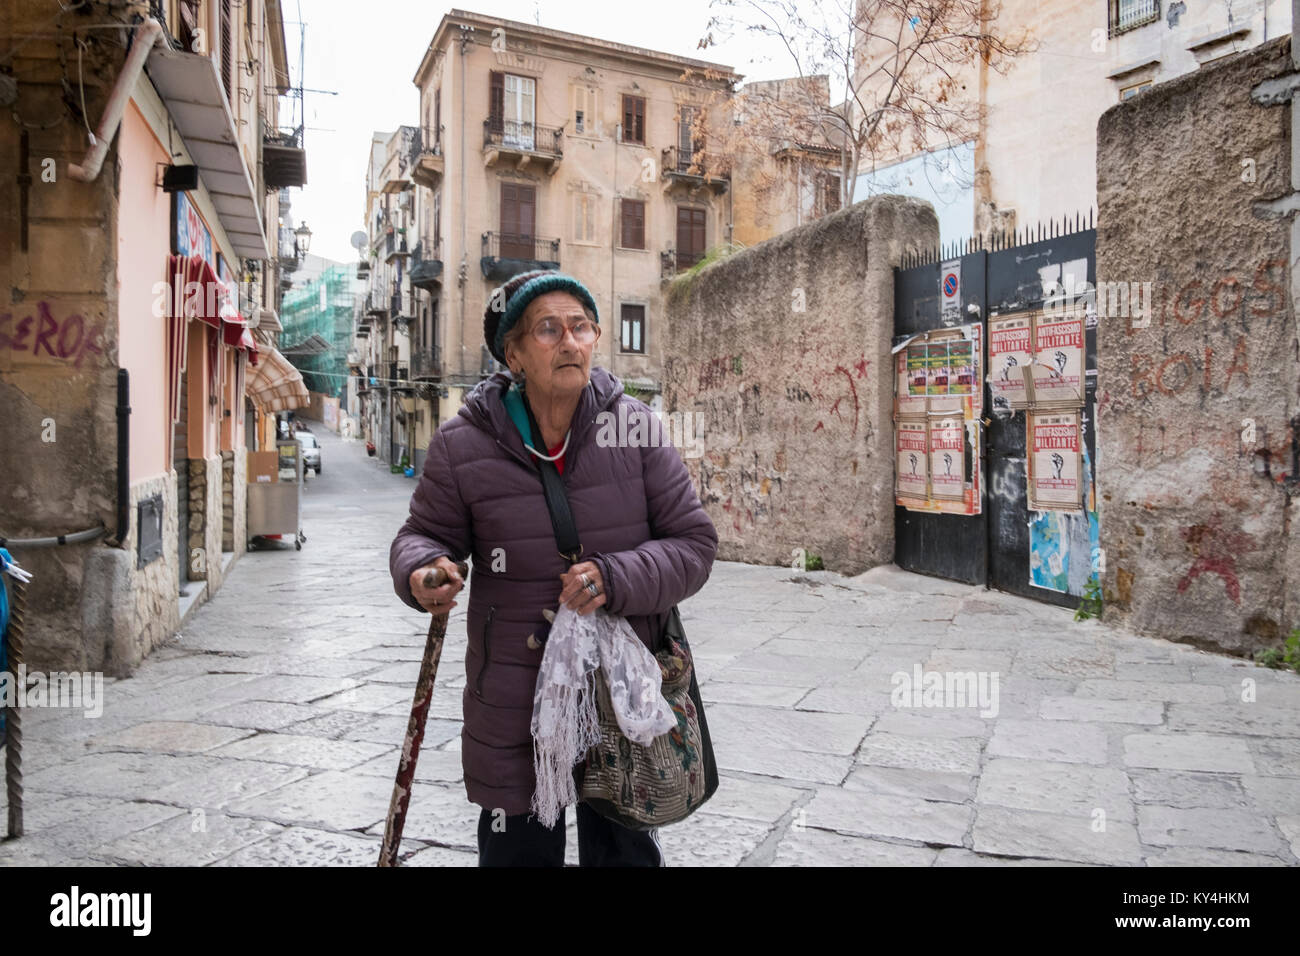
(551, 331)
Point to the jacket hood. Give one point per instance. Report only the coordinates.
(485, 406)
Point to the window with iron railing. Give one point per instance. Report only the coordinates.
(1127, 15)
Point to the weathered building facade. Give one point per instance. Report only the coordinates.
(1030, 156)
(781, 356)
(539, 148)
(140, 284)
(1198, 355)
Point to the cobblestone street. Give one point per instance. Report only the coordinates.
(268, 733)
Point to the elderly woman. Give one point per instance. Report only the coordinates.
(647, 545)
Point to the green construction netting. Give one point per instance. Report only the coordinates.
(317, 320)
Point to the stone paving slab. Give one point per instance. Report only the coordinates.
(267, 732)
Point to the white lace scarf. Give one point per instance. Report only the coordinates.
(565, 723)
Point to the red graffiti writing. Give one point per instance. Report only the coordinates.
(1175, 372)
(1216, 551)
(852, 396)
(714, 371)
(1225, 297)
(69, 339)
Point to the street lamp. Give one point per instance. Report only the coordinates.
(303, 243)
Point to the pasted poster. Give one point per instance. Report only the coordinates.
(1058, 359)
(1009, 356)
(1064, 547)
(908, 403)
(916, 371)
(1055, 465)
(961, 367)
(937, 371)
(910, 438)
(947, 471)
(976, 332)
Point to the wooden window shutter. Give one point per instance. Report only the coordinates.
(633, 119)
(633, 222)
(497, 100)
(227, 52)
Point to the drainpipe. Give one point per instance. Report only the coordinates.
(123, 456)
(142, 42)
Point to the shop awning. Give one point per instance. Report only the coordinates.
(197, 293)
(236, 334)
(190, 86)
(268, 320)
(275, 386)
(314, 344)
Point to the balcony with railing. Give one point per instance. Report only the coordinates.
(398, 176)
(394, 246)
(426, 265)
(284, 160)
(426, 158)
(687, 168)
(401, 304)
(671, 262)
(399, 377)
(522, 145)
(375, 305)
(426, 364)
(505, 254)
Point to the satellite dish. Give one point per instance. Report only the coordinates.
(358, 240)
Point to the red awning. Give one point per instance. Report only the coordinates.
(247, 343)
(197, 293)
(233, 328)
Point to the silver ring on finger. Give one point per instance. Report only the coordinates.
(591, 586)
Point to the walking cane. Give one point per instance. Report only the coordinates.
(415, 726)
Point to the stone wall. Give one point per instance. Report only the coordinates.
(1195, 393)
(781, 351)
(205, 521)
(58, 338)
(127, 611)
(234, 500)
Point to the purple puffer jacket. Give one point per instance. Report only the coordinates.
(638, 517)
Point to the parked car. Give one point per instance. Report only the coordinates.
(310, 451)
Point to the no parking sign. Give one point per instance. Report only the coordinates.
(950, 292)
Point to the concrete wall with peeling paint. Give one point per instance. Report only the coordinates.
(1193, 394)
(781, 351)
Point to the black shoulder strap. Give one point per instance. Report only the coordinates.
(557, 501)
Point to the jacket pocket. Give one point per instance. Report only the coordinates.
(487, 637)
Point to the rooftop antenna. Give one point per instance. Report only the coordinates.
(537, 12)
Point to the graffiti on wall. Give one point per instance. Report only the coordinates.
(737, 396)
(42, 333)
(1225, 307)
(1215, 550)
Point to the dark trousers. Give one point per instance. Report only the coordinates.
(525, 841)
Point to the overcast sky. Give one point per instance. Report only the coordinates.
(368, 52)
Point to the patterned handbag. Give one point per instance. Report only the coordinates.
(646, 787)
(639, 787)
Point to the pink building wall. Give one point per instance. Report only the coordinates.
(143, 232)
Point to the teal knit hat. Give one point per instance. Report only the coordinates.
(507, 302)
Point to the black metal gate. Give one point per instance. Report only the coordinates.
(1014, 273)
